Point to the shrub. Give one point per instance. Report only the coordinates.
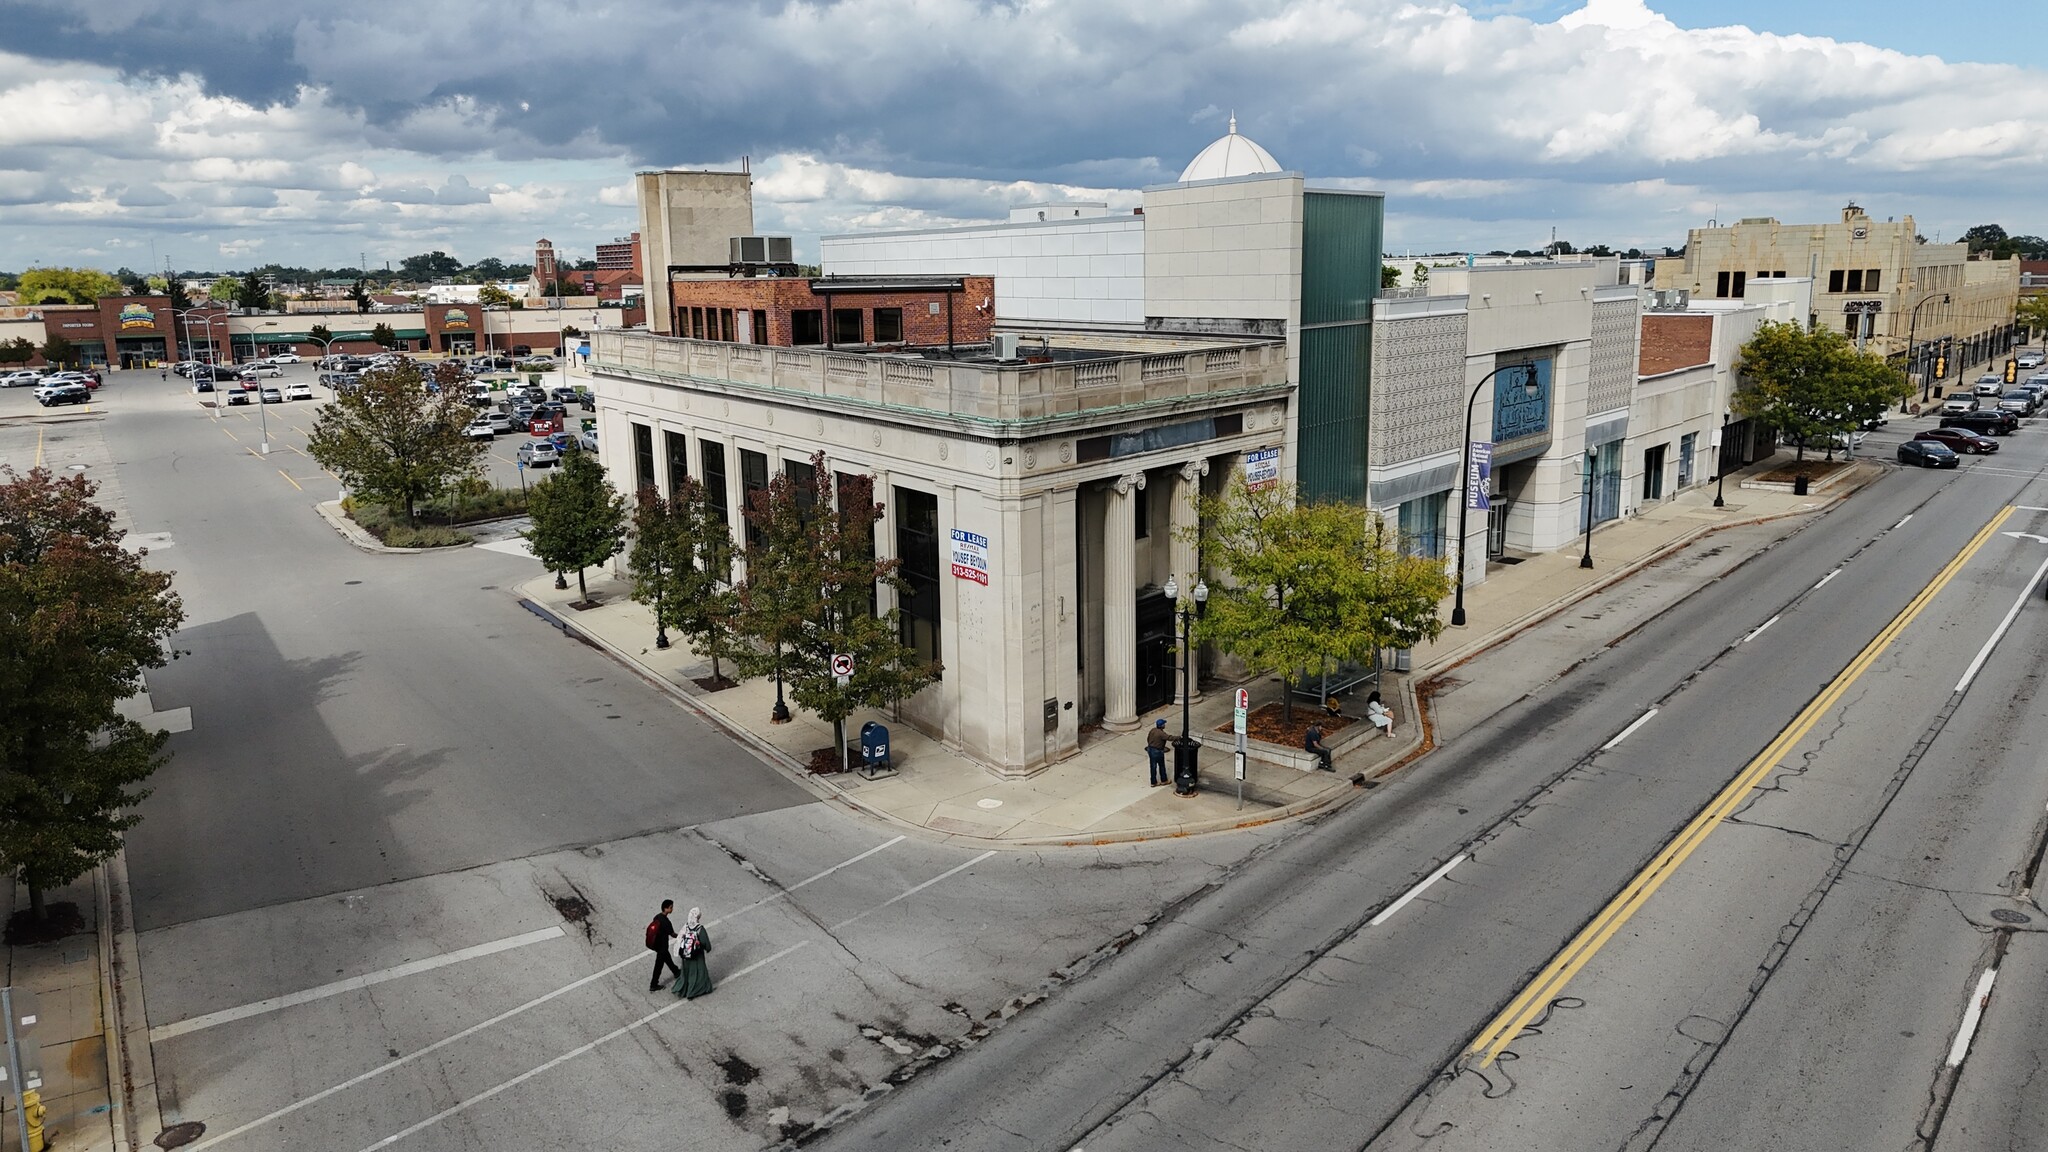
(424, 536)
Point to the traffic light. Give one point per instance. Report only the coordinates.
(1941, 367)
(2012, 371)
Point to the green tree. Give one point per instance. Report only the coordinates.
(682, 561)
(81, 618)
(1813, 385)
(1982, 236)
(251, 294)
(157, 286)
(394, 442)
(492, 296)
(382, 334)
(1390, 277)
(225, 290)
(809, 593)
(322, 335)
(17, 351)
(2033, 313)
(578, 519)
(1308, 583)
(66, 285)
(57, 350)
(362, 295)
(1421, 274)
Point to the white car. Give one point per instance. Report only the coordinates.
(252, 371)
(2031, 359)
(22, 379)
(1990, 384)
(285, 358)
(301, 391)
(480, 429)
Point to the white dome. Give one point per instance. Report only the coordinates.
(1230, 155)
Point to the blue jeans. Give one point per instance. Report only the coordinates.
(1157, 757)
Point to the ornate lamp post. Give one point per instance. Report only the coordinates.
(1721, 463)
(1187, 613)
(1586, 561)
(1529, 388)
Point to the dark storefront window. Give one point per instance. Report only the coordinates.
(806, 326)
(714, 480)
(643, 457)
(678, 447)
(753, 478)
(888, 325)
(803, 483)
(917, 547)
(697, 323)
(726, 328)
(846, 325)
(855, 493)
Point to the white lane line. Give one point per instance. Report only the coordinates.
(1825, 579)
(1972, 1016)
(163, 1032)
(2028, 508)
(1412, 893)
(1759, 630)
(571, 1054)
(914, 891)
(466, 1033)
(807, 880)
(1902, 523)
(2011, 614)
(1629, 731)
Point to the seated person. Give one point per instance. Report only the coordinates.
(1312, 741)
(1379, 714)
(1331, 707)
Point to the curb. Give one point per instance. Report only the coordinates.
(330, 511)
(824, 790)
(131, 1063)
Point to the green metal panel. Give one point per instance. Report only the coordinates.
(1341, 239)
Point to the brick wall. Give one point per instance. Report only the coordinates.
(1675, 340)
(780, 298)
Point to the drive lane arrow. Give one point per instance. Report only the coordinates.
(2027, 536)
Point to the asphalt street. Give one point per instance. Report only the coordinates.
(1327, 996)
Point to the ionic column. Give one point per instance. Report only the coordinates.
(1120, 603)
(1187, 560)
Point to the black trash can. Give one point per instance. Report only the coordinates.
(1799, 485)
(1184, 770)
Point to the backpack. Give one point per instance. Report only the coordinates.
(654, 934)
(689, 945)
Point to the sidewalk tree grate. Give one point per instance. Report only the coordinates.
(2008, 916)
(179, 1135)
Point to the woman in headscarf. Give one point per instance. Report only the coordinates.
(692, 944)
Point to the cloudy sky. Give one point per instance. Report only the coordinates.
(224, 133)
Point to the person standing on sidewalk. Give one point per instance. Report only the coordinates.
(692, 945)
(660, 931)
(1155, 753)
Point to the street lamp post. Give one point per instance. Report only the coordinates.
(1529, 388)
(262, 409)
(1721, 464)
(1187, 614)
(1586, 560)
(1912, 326)
(660, 621)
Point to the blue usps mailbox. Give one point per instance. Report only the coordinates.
(874, 746)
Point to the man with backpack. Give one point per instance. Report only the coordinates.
(660, 931)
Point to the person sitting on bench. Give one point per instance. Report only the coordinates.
(1380, 715)
(1312, 741)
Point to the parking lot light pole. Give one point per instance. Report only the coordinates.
(1529, 388)
(262, 409)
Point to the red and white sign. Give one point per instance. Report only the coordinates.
(970, 556)
(1244, 699)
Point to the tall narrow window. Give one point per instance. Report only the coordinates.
(1872, 278)
(1721, 284)
(753, 478)
(678, 446)
(1855, 280)
(714, 479)
(1422, 525)
(1835, 280)
(888, 325)
(1740, 279)
(917, 549)
(803, 483)
(855, 494)
(726, 331)
(761, 327)
(846, 325)
(806, 326)
(643, 457)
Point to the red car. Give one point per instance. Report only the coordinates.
(1960, 440)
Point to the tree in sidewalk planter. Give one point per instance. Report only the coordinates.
(81, 618)
(1301, 584)
(578, 519)
(393, 441)
(681, 563)
(1814, 385)
(809, 594)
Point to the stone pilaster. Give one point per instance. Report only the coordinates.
(1120, 603)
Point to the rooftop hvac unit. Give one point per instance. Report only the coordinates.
(762, 250)
(1003, 346)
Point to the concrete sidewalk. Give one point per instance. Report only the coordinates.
(1100, 794)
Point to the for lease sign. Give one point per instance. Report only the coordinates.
(970, 556)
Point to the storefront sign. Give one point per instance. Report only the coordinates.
(1478, 475)
(1262, 469)
(137, 316)
(76, 324)
(970, 556)
(456, 318)
(1521, 401)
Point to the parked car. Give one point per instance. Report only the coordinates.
(564, 442)
(588, 440)
(522, 414)
(2019, 401)
(480, 429)
(203, 385)
(25, 378)
(548, 409)
(1850, 440)
(1960, 440)
(51, 395)
(252, 371)
(1988, 422)
(563, 394)
(271, 394)
(1990, 384)
(285, 358)
(1960, 402)
(233, 396)
(299, 391)
(538, 454)
(2031, 359)
(501, 423)
(1928, 454)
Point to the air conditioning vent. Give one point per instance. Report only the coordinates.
(762, 250)
(1003, 345)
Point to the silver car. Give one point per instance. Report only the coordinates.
(538, 454)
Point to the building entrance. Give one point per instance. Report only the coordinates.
(1155, 650)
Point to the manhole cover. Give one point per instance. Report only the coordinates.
(179, 1135)
(2008, 916)
(989, 802)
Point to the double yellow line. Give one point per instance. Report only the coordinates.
(1549, 983)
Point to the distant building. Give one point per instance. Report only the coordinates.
(622, 254)
(688, 220)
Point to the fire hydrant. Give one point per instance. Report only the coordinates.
(33, 1111)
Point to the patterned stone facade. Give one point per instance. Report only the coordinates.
(1613, 368)
(1418, 376)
